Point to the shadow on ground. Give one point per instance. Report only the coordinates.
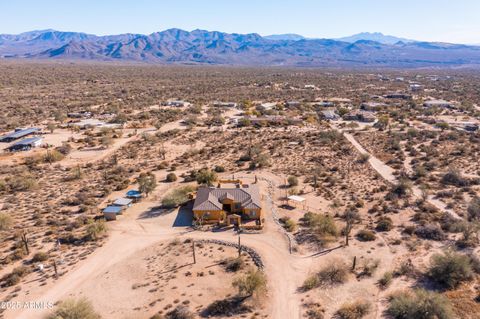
(184, 217)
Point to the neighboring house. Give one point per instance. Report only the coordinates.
(26, 144)
(268, 105)
(292, 103)
(18, 133)
(372, 106)
(324, 104)
(438, 103)
(228, 206)
(111, 212)
(91, 123)
(78, 115)
(224, 104)
(330, 115)
(360, 115)
(176, 103)
(397, 95)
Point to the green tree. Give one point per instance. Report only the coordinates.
(147, 182)
(206, 177)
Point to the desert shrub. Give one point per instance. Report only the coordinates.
(314, 311)
(52, 156)
(177, 197)
(366, 235)
(335, 273)
(292, 181)
(233, 264)
(454, 177)
(40, 256)
(355, 310)
(385, 280)
(206, 177)
(15, 276)
(322, 225)
(310, 283)
(226, 307)
(419, 304)
(95, 230)
(219, 169)
(253, 282)
(363, 158)
(180, 312)
(171, 177)
(369, 266)
(147, 182)
(6, 221)
(402, 189)
(431, 231)
(22, 182)
(450, 269)
(289, 224)
(473, 209)
(74, 309)
(384, 224)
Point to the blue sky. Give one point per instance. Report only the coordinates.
(429, 20)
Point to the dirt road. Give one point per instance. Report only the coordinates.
(387, 173)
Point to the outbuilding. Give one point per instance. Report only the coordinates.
(111, 212)
(123, 202)
(134, 194)
(25, 144)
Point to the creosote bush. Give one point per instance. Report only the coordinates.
(253, 282)
(355, 310)
(419, 304)
(450, 269)
(74, 309)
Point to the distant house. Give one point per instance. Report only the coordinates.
(438, 103)
(111, 212)
(415, 87)
(176, 103)
(470, 127)
(224, 104)
(268, 105)
(324, 104)
(330, 114)
(360, 116)
(78, 115)
(26, 144)
(19, 133)
(398, 95)
(372, 106)
(91, 123)
(229, 206)
(292, 103)
(272, 120)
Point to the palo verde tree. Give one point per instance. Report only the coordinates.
(146, 183)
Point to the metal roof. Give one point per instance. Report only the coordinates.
(112, 209)
(20, 133)
(122, 202)
(133, 193)
(27, 141)
(211, 198)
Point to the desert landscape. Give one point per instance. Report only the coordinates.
(215, 192)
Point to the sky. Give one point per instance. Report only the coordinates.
(455, 21)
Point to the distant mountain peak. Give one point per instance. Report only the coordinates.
(376, 37)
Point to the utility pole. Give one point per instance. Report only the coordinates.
(193, 252)
(239, 247)
(55, 269)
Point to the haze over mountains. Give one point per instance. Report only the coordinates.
(175, 46)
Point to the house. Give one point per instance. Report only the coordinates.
(224, 104)
(415, 87)
(470, 127)
(268, 105)
(176, 103)
(78, 115)
(398, 95)
(372, 106)
(18, 133)
(123, 202)
(91, 123)
(438, 103)
(292, 103)
(323, 104)
(330, 114)
(228, 206)
(360, 115)
(111, 212)
(26, 144)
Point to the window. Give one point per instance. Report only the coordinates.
(253, 214)
(206, 214)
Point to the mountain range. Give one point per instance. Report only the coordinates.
(175, 46)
